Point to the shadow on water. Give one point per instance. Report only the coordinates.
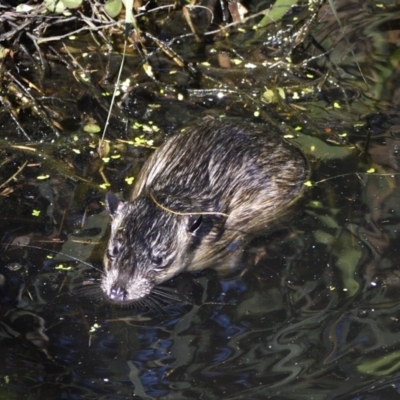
(315, 313)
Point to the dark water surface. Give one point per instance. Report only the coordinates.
(316, 317)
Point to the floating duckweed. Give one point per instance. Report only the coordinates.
(141, 141)
(92, 128)
(61, 267)
(84, 77)
(94, 328)
(147, 128)
(307, 90)
(269, 96)
(148, 70)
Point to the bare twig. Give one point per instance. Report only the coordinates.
(20, 169)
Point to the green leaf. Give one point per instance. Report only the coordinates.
(72, 3)
(23, 8)
(56, 6)
(113, 7)
(275, 14)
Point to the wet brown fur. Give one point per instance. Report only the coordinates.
(248, 176)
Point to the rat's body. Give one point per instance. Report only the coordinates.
(199, 198)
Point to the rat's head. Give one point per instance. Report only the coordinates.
(148, 245)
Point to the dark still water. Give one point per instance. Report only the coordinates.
(314, 312)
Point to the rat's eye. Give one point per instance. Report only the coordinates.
(195, 222)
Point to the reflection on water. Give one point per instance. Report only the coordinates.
(317, 314)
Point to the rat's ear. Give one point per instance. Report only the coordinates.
(113, 204)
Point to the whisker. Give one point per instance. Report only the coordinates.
(91, 291)
(150, 302)
(167, 294)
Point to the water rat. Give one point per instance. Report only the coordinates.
(199, 198)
